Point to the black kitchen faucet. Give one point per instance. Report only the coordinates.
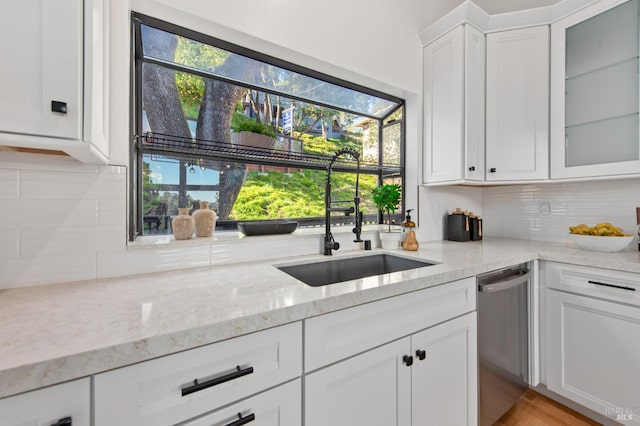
(329, 242)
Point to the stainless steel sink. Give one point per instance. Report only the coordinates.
(317, 274)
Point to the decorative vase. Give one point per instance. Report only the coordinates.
(183, 225)
(390, 240)
(205, 220)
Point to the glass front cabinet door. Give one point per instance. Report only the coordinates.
(594, 91)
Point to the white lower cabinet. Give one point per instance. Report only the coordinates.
(444, 385)
(593, 350)
(364, 364)
(183, 386)
(66, 404)
(281, 406)
(372, 389)
(428, 378)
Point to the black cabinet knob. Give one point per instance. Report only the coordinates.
(492, 170)
(408, 360)
(472, 168)
(57, 106)
(421, 354)
(63, 422)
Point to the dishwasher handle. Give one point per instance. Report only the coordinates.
(506, 284)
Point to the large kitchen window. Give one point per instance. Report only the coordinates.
(249, 133)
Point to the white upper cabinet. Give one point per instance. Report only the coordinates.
(53, 76)
(594, 91)
(517, 138)
(454, 67)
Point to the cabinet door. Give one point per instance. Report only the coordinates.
(443, 107)
(370, 389)
(517, 144)
(474, 105)
(594, 91)
(48, 406)
(41, 54)
(593, 353)
(281, 406)
(444, 383)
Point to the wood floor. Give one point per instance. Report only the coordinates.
(533, 409)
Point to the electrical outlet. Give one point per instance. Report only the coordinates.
(545, 209)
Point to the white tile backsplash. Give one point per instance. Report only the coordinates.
(514, 211)
(437, 202)
(47, 270)
(9, 187)
(9, 243)
(49, 214)
(152, 259)
(35, 242)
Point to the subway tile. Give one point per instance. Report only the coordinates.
(9, 185)
(47, 270)
(9, 243)
(112, 212)
(49, 214)
(152, 259)
(37, 242)
(48, 185)
(251, 250)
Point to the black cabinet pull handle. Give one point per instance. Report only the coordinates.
(621, 287)
(472, 168)
(408, 360)
(243, 420)
(57, 106)
(198, 386)
(63, 422)
(421, 354)
(492, 170)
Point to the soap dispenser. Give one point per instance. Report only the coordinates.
(409, 243)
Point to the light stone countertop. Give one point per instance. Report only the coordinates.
(55, 333)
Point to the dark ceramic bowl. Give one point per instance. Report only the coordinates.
(267, 227)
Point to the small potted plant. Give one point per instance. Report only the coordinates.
(387, 199)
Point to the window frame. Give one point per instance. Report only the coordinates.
(138, 151)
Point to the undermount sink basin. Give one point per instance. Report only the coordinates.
(317, 274)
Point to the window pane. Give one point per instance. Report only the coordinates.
(391, 143)
(158, 44)
(161, 170)
(200, 172)
(197, 196)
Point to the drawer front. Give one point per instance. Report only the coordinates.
(164, 392)
(606, 284)
(48, 406)
(338, 335)
(593, 354)
(281, 406)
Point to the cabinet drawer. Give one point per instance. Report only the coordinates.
(281, 406)
(48, 406)
(338, 335)
(606, 284)
(164, 392)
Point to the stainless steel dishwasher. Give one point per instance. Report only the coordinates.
(503, 340)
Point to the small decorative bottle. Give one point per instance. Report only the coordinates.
(183, 225)
(205, 220)
(410, 242)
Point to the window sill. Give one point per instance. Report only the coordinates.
(237, 237)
